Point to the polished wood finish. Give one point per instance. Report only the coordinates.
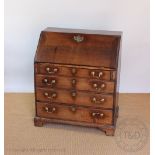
(74, 113)
(77, 78)
(74, 71)
(101, 50)
(81, 98)
(80, 83)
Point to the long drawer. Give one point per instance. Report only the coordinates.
(72, 113)
(74, 83)
(75, 71)
(74, 97)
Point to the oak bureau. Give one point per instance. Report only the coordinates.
(76, 74)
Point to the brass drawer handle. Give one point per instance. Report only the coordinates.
(96, 74)
(50, 110)
(51, 70)
(52, 83)
(96, 101)
(93, 73)
(78, 38)
(50, 96)
(98, 86)
(97, 115)
(100, 74)
(102, 86)
(95, 85)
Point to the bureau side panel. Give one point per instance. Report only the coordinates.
(35, 92)
(117, 84)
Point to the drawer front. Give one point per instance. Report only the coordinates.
(75, 83)
(53, 69)
(73, 113)
(74, 97)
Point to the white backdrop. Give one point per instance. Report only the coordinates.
(24, 19)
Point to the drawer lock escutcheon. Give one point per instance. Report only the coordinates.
(73, 94)
(78, 38)
(73, 71)
(73, 82)
(73, 109)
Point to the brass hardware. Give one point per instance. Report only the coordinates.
(45, 80)
(96, 74)
(101, 115)
(55, 70)
(95, 85)
(53, 109)
(102, 85)
(73, 82)
(51, 70)
(46, 94)
(46, 108)
(93, 73)
(100, 74)
(96, 101)
(78, 38)
(50, 110)
(102, 100)
(73, 71)
(47, 69)
(113, 75)
(73, 109)
(73, 94)
(53, 95)
(49, 83)
(93, 114)
(98, 86)
(53, 81)
(97, 115)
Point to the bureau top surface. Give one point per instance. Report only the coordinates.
(79, 47)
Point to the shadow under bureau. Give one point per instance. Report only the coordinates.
(76, 75)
